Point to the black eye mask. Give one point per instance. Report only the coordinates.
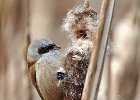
(51, 46)
(43, 50)
(46, 49)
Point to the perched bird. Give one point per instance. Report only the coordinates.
(46, 68)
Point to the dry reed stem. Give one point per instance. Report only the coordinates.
(103, 47)
(25, 47)
(27, 32)
(94, 57)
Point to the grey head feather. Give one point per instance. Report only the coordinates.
(33, 53)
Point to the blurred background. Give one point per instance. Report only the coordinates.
(46, 17)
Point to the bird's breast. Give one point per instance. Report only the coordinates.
(46, 75)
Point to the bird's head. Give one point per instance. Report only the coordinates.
(39, 47)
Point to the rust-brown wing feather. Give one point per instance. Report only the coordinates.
(32, 73)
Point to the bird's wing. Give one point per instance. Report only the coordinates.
(32, 72)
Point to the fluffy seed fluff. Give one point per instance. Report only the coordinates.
(77, 61)
(80, 22)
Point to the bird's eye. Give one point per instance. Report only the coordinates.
(43, 50)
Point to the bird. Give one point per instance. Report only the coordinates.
(46, 68)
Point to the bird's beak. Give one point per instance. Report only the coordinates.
(57, 48)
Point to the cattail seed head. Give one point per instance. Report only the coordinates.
(80, 22)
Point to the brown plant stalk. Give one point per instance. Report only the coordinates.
(94, 57)
(25, 47)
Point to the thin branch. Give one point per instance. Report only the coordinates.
(103, 47)
(94, 57)
(28, 16)
(27, 32)
(25, 47)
